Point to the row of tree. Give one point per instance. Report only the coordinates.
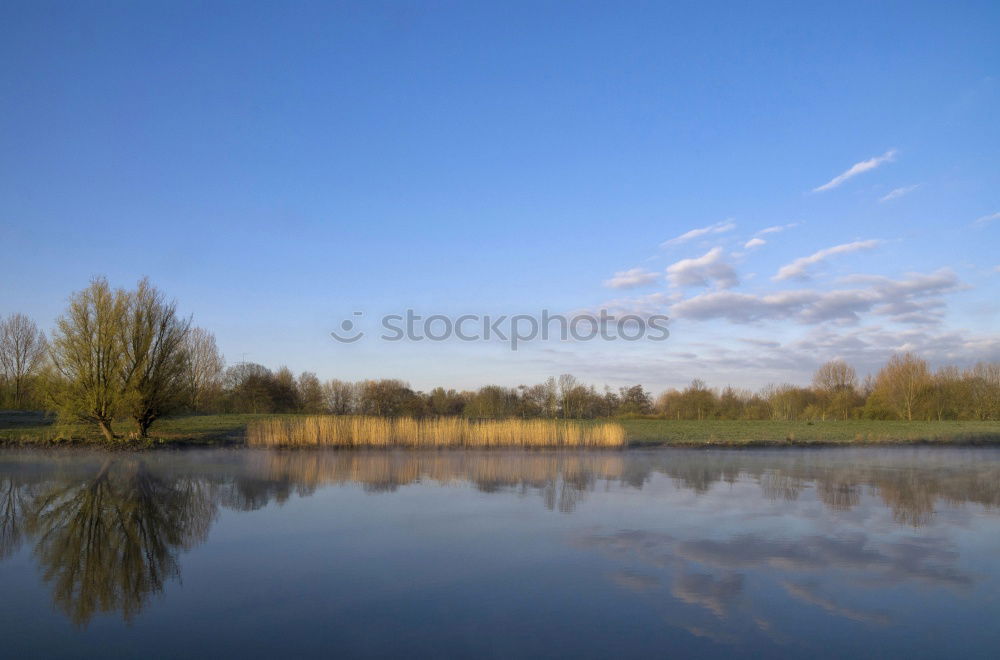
(252, 388)
(119, 353)
(905, 388)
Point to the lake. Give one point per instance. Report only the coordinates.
(785, 552)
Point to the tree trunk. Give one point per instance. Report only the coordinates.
(106, 430)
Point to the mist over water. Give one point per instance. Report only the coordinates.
(501, 553)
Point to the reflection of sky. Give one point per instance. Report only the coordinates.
(733, 566)
(440, 565)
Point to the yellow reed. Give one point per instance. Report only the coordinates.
(352, 431)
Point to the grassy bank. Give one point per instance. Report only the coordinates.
(33, 428)
(651, 432)
(215, 430)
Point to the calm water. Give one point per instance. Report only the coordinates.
(829, 552)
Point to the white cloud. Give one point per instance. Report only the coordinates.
(797, 269)
(777, 228)
(743, 307)
(647, 305)
(703, 271)
(757, 241)
(856, 169)
(627, 279)
(717, 228)
(907, 300)
(896, 193)
(986, 219)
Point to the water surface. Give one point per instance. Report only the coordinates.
(826, 552)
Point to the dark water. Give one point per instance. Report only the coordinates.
(832, 552)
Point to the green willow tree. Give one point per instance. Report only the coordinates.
(154, 338)
(116, 353)
(89, 358)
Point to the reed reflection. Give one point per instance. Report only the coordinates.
(560, 477)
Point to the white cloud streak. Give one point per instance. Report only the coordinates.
(777, 228)
(703, 271)
(717, 228)
(629, 279)
(797, 269)
(856, 169)
(753, 243)
(986, 219)
(896, 193)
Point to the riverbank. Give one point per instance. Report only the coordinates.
(35, 429)
(730, 433)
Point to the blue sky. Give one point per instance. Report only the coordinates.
(276, 166)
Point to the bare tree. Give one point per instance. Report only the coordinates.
(383, 398)
(341, 397)
(88, 355)
(567, 383)
(22, 351)
(633, 399)
(698, 399)
(550, 398)
(203, 371)
(445, 402)
(311, 398)
(834, 376)
(901, 382)
(983, 386)
(154, 342)
(835, 383)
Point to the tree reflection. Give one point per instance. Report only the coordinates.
(13, 502)
(909, 484)
(108, 542)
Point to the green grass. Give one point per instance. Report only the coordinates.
(739, 433)
(25, 426)
(198, 430)
(36, 428)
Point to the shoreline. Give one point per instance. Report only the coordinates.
(155, 444)
(33, 430)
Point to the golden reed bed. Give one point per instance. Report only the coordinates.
(344, 431)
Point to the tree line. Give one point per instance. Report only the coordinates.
(128, 354)
(905, 388)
